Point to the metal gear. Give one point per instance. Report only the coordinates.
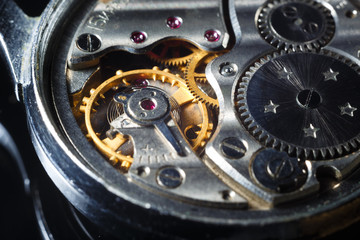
(110, 146)
(195, 75)
(292, 103)
(173, 53)
(296, 24)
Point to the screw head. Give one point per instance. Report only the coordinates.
(88, 42)
(228, 69)
(170, 177)
(212, 35)
(174, 22)
(138, 37)
(279, 172)
(280, 168)
(233, 148)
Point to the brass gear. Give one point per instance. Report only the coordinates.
(195, 73)
(173, 53)
(109, 147)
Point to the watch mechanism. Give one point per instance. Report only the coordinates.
(234, 114)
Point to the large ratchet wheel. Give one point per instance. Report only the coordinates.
(308, 110)
(142, 98)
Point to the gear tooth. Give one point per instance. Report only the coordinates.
(268, 141)
(82, 108)
(275, 143)
(316, 45)
(92, 91)
(332, 152)
(252, 125)
(88, 136)
(242, 108)
(307, 153)
(299, 151)
(323, 152)
(282, 146)
(273, 41)
(263, 61)
(125, 165)
(247, 120)
(262, 135)
(353, 143)
(113, 160)
(125, 82)
(346, 147)
(291, 149)
(85, 100)
(315, 153)
(246, 115)
(339, 149)
(256, 131)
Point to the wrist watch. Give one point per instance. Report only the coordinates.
(195, 119)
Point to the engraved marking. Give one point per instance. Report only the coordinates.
(147, 149)
(347, 109)
(271, 107)
(311, 131)
(99, 20)
(330, 75)
(285, 74)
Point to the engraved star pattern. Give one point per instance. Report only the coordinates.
(311, 131)
(330, 75)
(347, 109)
(271, 107)
(285, 74)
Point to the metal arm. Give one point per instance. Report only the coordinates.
(16, 30)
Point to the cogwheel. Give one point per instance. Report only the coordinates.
(139, 79)
(173, 53)
(108, 146)
(296, 24)
(292, 103)
(195, 76)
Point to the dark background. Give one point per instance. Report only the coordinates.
(17, 212)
